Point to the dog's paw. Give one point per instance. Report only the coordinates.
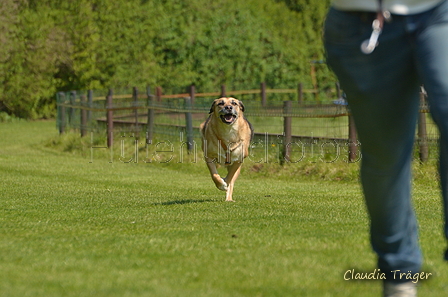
(223, 185)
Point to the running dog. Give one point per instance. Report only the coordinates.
(226, 137)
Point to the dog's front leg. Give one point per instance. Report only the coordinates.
(233, 171)
(217, 179)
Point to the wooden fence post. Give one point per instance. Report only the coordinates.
(110, 119)
(61, 115)
(83, 126)
(192, 94)
(189, 124)
(150, 122)
(71, 113)
(223, 91)
(300, 93)
(287, 130)
(422, 135)
(315, 83)
(263, 94)
(90, 105)
(352, 145)
(159, 94)
(135, 105)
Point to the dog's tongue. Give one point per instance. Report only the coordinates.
(228, 118)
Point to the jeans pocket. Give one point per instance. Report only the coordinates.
(347, 29)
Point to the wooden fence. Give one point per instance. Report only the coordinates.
(149, 105)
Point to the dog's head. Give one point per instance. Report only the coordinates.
(227, 109)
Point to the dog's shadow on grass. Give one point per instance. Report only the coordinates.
(186, 201)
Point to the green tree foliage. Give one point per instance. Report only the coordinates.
(32, 47)
(53, 45)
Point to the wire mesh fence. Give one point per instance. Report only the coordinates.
(288, 129)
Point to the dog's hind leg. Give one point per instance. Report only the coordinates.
(220, 183)
(233, 173)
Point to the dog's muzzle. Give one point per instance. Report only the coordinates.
(228, 115)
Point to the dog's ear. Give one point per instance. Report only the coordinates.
(212, 109)
(241, 105)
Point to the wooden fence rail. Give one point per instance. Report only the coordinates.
(67, 106)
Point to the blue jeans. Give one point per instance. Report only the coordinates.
(383, 94)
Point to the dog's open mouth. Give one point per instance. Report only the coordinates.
(228, 118)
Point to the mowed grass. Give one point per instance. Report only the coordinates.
(73, 228)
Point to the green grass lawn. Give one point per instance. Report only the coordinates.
(69, 227)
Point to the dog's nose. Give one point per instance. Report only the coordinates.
(228, 107)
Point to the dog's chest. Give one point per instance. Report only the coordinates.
(225, 148)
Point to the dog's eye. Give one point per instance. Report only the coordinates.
(234, 103)
(221, 103)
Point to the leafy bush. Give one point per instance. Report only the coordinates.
(50, 46)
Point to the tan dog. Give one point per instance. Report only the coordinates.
(226, 136)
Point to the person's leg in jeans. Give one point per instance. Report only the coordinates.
(383, 94)
(432, 61)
